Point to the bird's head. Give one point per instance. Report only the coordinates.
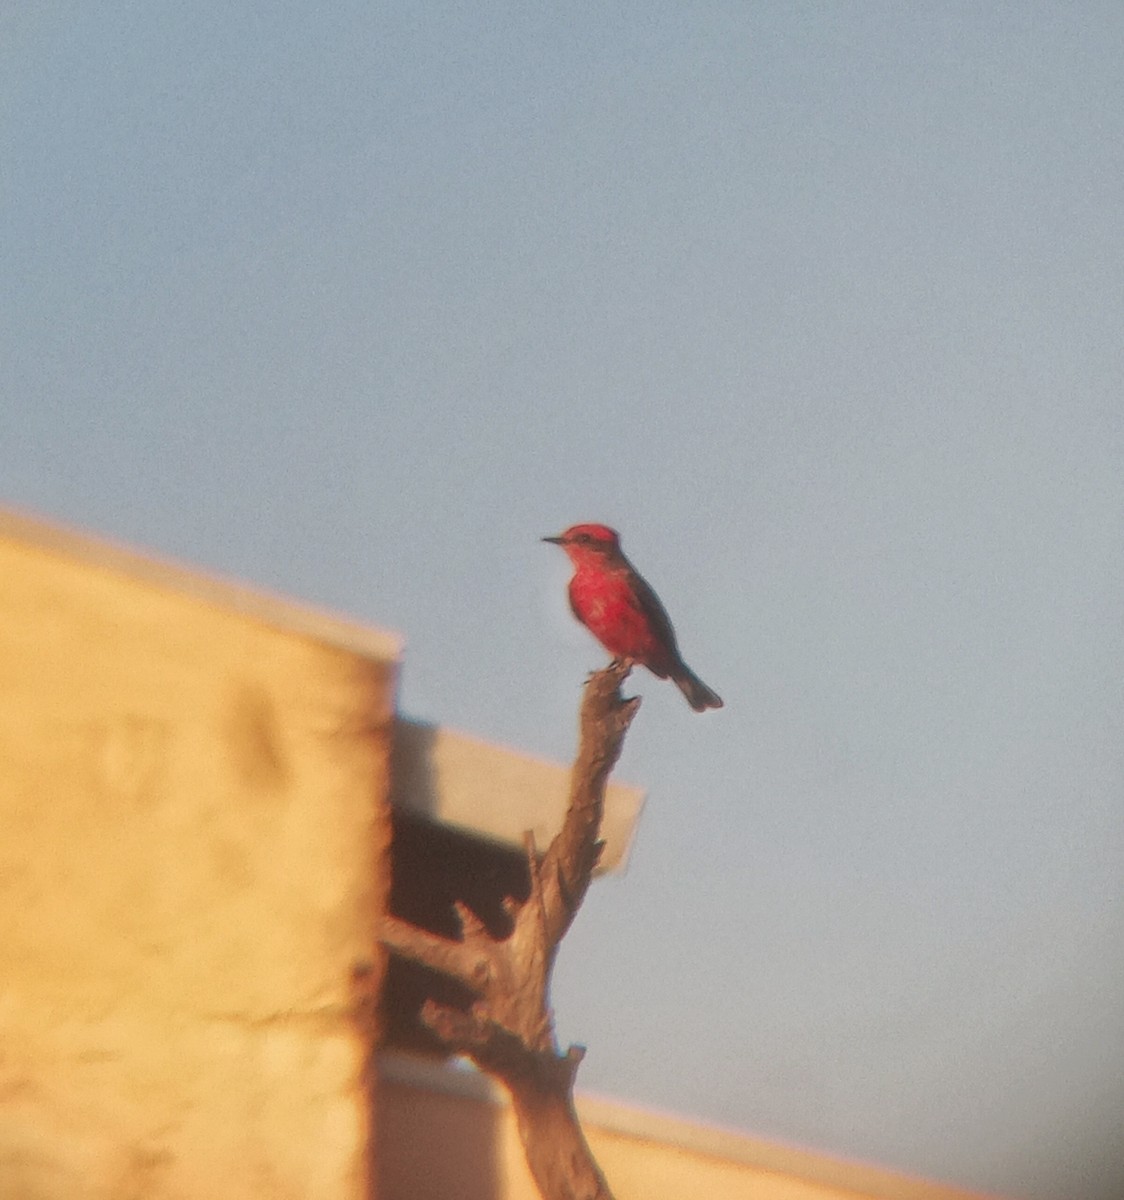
(588, 543)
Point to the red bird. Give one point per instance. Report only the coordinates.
(614, 602)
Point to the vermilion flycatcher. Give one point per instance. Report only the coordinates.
(614, 602)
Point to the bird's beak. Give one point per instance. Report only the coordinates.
(556, 540)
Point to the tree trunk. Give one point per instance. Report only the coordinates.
(556, 1149)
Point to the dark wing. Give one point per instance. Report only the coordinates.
(660, 622)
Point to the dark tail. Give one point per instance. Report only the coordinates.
(699, 696)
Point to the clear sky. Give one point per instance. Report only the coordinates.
(822, 306)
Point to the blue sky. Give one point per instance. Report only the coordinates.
(821, 307)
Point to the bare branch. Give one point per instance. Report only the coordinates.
(508, 1031)
(459, 960)
(569, 863)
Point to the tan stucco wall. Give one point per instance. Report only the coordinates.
(193, 787)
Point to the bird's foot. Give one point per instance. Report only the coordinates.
(620, 666)
(606, 683)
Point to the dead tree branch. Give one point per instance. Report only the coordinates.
(508, 1031)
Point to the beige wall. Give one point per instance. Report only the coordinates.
(447, 1133)
(193, 785)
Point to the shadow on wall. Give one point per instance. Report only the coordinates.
(431, 1146)
(432, 868)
